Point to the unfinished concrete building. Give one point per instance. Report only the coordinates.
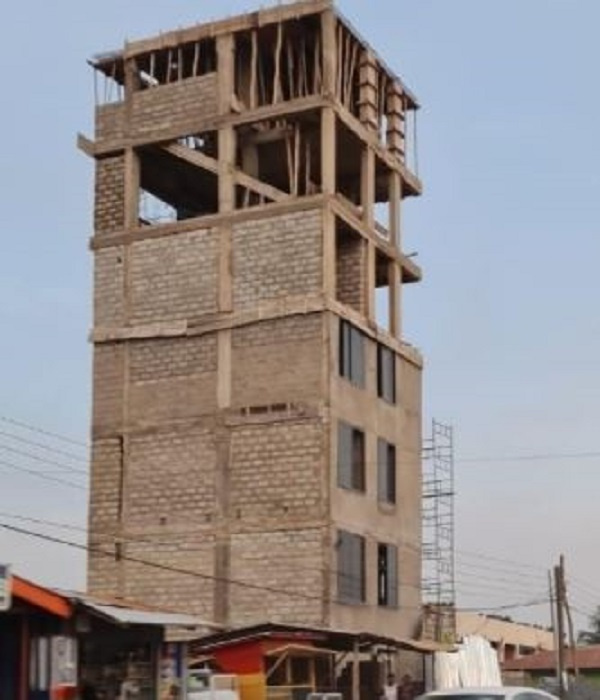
(256, 419)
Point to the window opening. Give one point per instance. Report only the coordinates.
(351, 457)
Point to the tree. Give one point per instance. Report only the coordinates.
(591, 636)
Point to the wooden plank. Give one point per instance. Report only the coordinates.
(86, 145)
(261, 188)
(212, 165)
(235, 24)
(194, 157)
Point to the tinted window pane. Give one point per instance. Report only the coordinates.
(386, 374)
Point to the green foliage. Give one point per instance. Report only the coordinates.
(591, 636)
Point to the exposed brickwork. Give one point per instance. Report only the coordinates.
(275, 471)
(108, 386)
(276, 257)
(170, 475)
(168, 358)
(110, 121)
(110, 194)
(182, 106)
(191, 593)
(109, 270)
(351, 272)
(285, 561)
(215, 455)
(104, 514)
(174, 277)
(278, 361)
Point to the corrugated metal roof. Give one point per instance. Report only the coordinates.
(135, 616)
(586, 657)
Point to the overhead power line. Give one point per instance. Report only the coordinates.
(44, 460)
(48, 448)
(196, 574)
(41, 475)
(528, 458)
(41, 431)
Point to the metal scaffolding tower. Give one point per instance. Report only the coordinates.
(439, 591)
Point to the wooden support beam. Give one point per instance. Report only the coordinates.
(395, 225)
(367, 186)
(329, 38)
(328, 151)
(395, 300)
(225, 72)
(254, 71)
(218, 167)
(132, 188)
(277, 59)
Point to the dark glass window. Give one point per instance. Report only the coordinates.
(386, 374)
(352, 354)
(386, 472)
(351, 457)
(351, 568)
(387, 575)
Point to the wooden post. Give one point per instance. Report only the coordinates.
(328, 151)
(560, 629)
(356, 672)
(367, 187)
(225, 74)
(395, 224)
(395, 301)
(328, 25)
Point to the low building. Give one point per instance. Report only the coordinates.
(288, 662)
(52, 644)
(512, 640)
(537, 668)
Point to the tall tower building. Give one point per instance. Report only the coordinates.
(256, 411)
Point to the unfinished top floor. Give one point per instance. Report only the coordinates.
(268, 63)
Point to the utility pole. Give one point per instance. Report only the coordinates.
(552, 598)
(560, 627)
(572, 643)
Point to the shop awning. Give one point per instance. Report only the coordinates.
(126, 616)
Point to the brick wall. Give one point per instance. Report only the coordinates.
(277, 361)
(180, 107)
(174, 277)
(171, 494)
(109, 213)
(275, 471)
(109, 287)
(276, 504)
(351, 272)
(110, 121)
(277, 256)
(172, 379)
(289, 561)
(108, 387)
(104, 514)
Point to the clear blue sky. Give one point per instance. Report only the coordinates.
(507, 234)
